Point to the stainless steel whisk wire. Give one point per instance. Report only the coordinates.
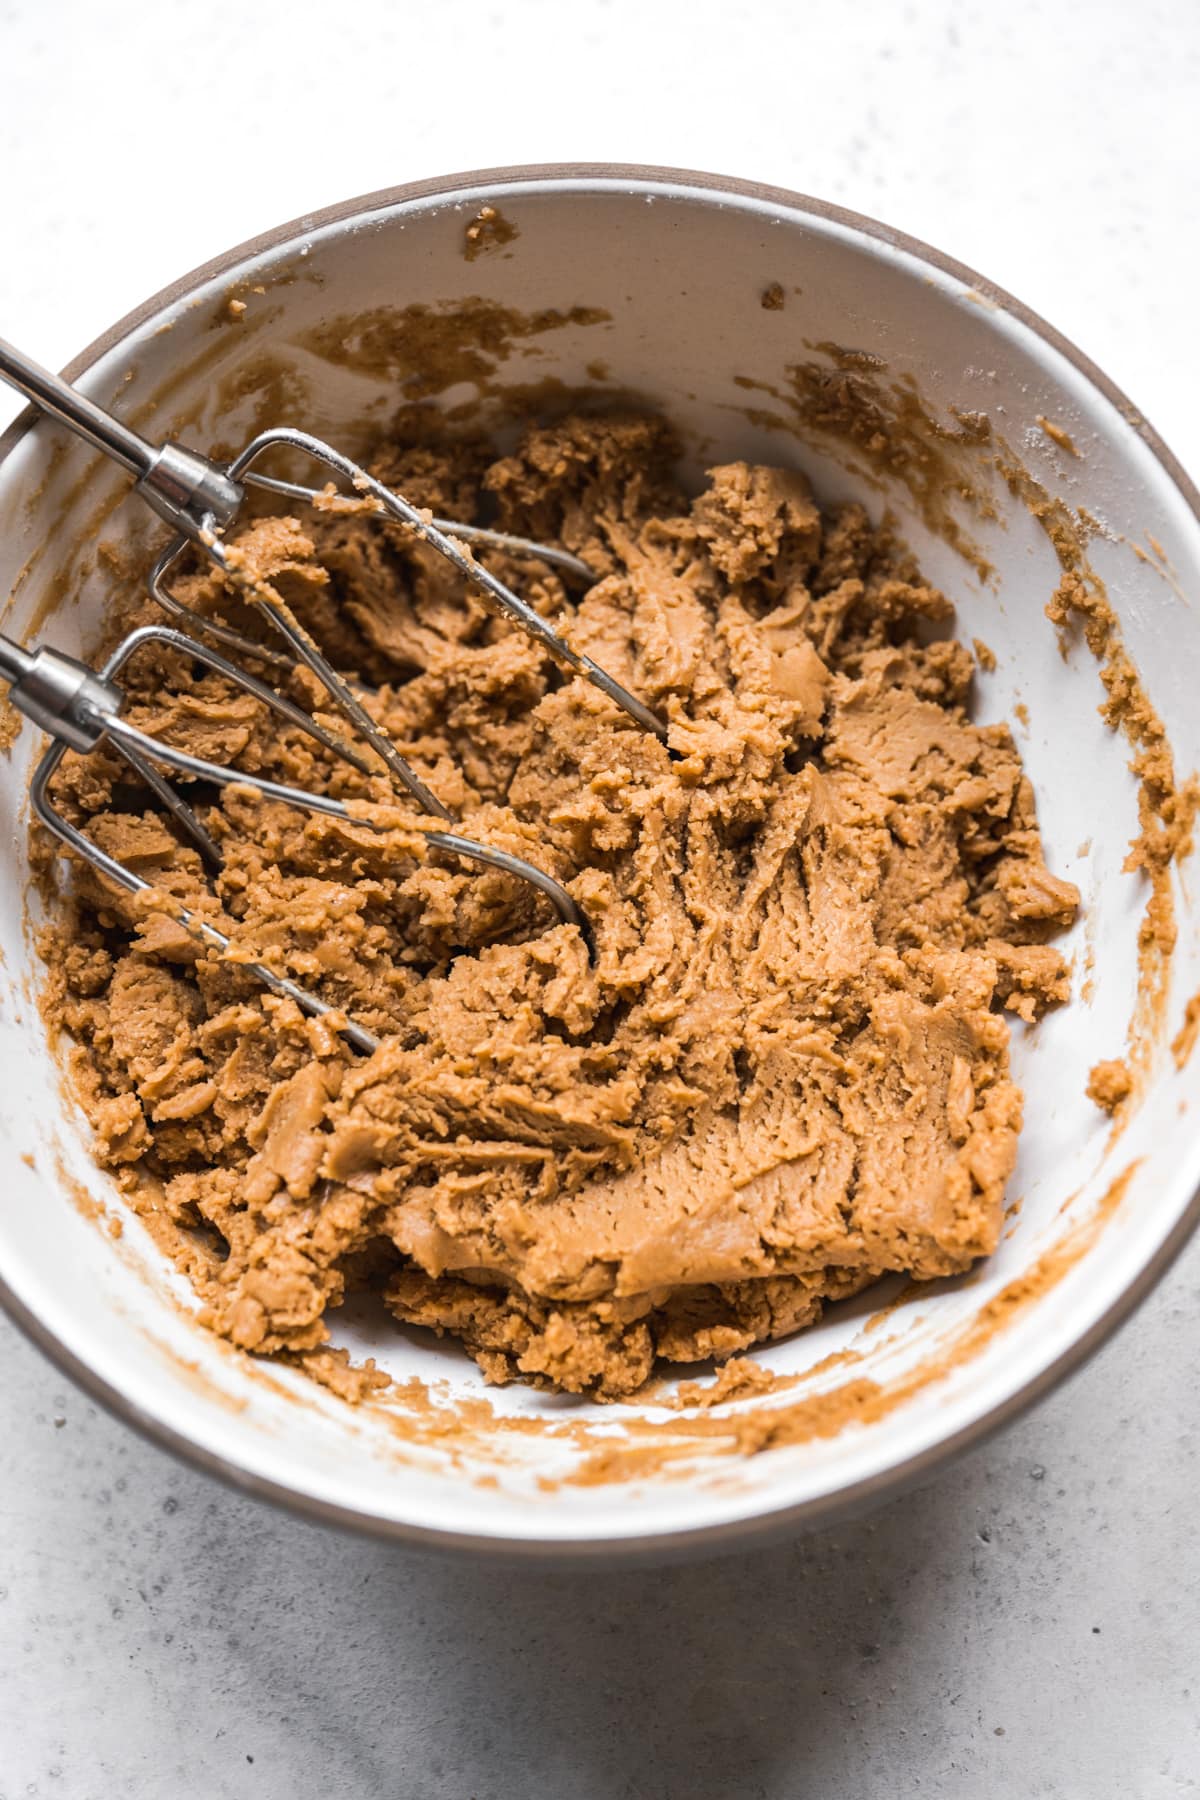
(80, 707)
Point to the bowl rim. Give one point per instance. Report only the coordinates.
(775, 1523)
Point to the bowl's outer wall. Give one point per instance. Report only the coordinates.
(679, 269)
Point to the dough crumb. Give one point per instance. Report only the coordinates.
(1109, 1083)
(739, 1378)
(488, 231)
(1058, 435)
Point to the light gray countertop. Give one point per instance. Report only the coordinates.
(1028, 1624)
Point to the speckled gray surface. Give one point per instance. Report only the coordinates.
(1025, 1626)
(1028, 1625)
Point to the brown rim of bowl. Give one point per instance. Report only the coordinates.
(779, 1522)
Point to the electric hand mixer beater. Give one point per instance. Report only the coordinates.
(81, 707)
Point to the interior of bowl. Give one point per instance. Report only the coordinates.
(726, 309)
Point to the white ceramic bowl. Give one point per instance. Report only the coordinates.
(679, 265)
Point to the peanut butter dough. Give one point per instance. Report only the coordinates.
(786, 1071)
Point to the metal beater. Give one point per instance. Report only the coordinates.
(81, 707)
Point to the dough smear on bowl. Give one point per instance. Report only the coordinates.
(786, 1072)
